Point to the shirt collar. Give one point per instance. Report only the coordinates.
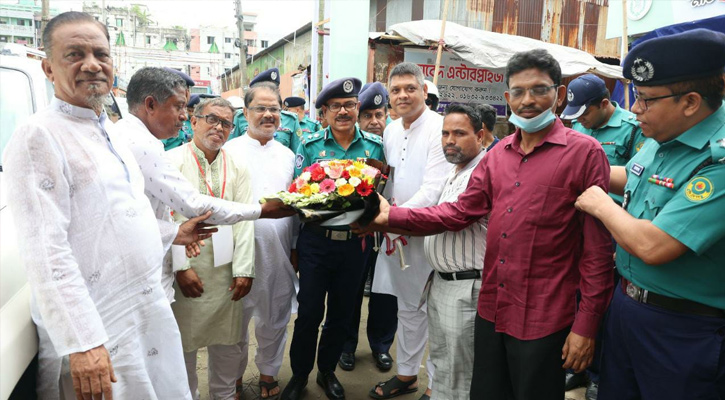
(615, 120)
(421, 119)
(75, 111)
(201, 156)
(699, 135)
(254, 142)
(557, 135)
(330, 136)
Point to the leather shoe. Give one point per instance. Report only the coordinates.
(574, 380)
(294, 388)
(347, 361)
(592, 391)
(383, 361)
(329, 382)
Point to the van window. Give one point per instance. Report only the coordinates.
(16, 103)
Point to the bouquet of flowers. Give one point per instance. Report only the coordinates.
(342, 190)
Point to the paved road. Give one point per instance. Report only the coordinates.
(357, 383)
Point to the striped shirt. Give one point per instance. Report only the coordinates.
(462, 250)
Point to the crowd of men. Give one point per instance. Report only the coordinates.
(496, 254)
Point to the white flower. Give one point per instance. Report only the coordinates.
(340, 181)
(306, 176)
(354, 181)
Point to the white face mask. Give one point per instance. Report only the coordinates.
(534, 124)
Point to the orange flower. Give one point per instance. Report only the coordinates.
(305, 190)
(344, 190)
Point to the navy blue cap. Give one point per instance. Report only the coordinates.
(676, 58)
(366, 86)
(193, 100)
(580, 93)
(341, 88)
(294, 101)
(373, 97)
(270, 75)
(187, 78)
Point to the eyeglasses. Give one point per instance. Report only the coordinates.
(642, 101)
(263, 109)
(536, 91)
(349, 106)
(213, 120)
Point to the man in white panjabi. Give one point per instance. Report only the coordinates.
(271, 299)
(419, 170)
(157, 100)
(91, 244)
(457, 261)
(209, 287)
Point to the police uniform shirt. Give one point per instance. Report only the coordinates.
(691, 212)
(614, 136)
(309, 126)
(321, 145)
(185, 135)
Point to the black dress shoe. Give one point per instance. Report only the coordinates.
(329, 382)
(294, 388)
(383, 361)
(592, 391)
(347, 361)
(574, 380)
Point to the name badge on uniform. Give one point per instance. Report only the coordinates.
(636, 169)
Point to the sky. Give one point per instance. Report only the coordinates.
(275, 18)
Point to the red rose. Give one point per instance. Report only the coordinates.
(292, 188)
(346, 174)
(364, 189)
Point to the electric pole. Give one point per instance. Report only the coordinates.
(242, 45)
(320, 46)
(44, 18)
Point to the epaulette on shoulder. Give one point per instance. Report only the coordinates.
(288, 114)
(308, 138)
(717, 148)
(373, 137)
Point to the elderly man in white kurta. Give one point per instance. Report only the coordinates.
(457, 261)
(157, 100)
(271, 299)
(209, 287)
(413, 151)
(90, 241)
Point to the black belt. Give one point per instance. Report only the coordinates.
(329, 233)
(459, 276)
(668, 303)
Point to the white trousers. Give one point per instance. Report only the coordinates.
(412, 336)
(452, 307)
(270, 330)
(223, 371)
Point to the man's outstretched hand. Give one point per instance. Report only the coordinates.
(194, 230)
(275, 208)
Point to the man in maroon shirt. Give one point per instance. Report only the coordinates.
(540, 248)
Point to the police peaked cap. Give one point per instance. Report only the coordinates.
(373, 97)
(675, 58)
(293, 101)
(186, 78)
(270, 75)
(341, 88)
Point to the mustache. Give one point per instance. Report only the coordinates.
(343, 118)
(452, 146)
(523, 109)
(267, 121)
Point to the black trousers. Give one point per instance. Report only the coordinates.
(506, 368)
(382, 316)
(329, 269)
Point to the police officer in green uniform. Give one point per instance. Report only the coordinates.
(331, 260)
(289, 130)
(296, 105)
(594, 114)
(618, 131)
(668, 314)
(186, 132)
